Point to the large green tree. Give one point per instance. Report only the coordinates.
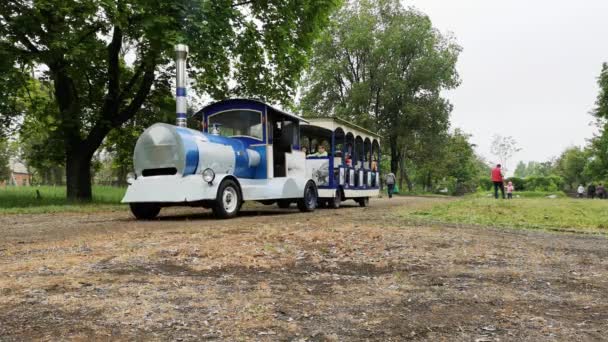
(104, 57)
(571, 166)
(384, 67)
(597, 167)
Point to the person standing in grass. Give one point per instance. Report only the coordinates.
(580, 192)
(390, 184)
(498, 181)
(591, 191)
(510, 189)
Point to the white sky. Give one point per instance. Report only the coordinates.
(528, 69)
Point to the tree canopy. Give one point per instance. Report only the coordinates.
(384, 67)
(106, 59)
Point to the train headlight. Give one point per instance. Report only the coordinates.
(131, 177)
(208, 175)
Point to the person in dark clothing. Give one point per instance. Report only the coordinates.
(600, 191)
(591, 191)
(390, 184)
(498, 181)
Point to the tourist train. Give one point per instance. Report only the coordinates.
(249, 150)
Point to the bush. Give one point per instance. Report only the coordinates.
(485, 184)
(549, 183)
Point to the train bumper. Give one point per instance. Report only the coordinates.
(171, 189)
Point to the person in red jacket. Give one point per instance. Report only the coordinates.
(498, 181)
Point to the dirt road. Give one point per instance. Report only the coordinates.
(335, 275)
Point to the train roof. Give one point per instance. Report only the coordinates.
(239, 101)
(334, 123)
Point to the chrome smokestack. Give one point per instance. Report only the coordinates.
(181, 54)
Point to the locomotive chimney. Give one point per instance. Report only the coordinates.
(181, 54)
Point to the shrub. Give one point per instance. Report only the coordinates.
(549, 183)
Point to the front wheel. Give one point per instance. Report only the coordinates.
(228, 201)
(309, 202)
(144, 211)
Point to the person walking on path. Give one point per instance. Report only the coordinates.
(591, 191)
(390, 184)
(510, 189)
(498, 181)
(580, 192)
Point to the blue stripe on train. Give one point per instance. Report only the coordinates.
(241, 167)
(191, 150)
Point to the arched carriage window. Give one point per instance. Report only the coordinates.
(349, 149)
(339, 144)
(376, 152)
(359, 151)
(367, 148)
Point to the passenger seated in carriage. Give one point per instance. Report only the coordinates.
(348, 160)
(321, 152)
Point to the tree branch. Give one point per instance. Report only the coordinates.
(241, 3)
(127, 89)
(141, 95)
(113, 63)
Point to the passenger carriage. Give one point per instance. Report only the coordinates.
(352, 156)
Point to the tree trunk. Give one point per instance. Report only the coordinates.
(404, 175)
(78, 174)
(394, 154)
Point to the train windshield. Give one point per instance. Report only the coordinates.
(237, 123)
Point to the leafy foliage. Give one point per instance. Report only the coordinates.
(4, 160)
(106, 58)
(383, 67)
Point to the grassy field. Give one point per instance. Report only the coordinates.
(25, 200)
(540, 212)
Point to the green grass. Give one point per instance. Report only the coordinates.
(566, 214)
(521, 194)
(24, 200)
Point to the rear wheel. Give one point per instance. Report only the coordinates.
(334, 203)
(363, 202)
(228, 201)
(283, 204)
(144, 211)
(308, 203)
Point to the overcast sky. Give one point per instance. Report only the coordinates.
(528, 69)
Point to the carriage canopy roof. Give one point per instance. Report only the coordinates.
(333, 124)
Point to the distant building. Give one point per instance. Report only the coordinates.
(19, 175)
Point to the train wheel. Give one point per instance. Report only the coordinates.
(144, 211)
(363, 202)
(228, 201)
(334, 203)
(309, 202)
(283, 204)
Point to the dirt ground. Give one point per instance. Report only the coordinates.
(333, 275)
